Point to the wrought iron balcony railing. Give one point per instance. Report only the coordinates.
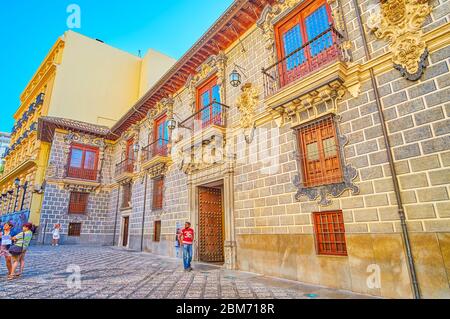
(212, 114)
(158, 147)
(82, 173)
(126, 166)
(310, 57)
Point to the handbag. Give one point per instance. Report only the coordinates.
(17, 250)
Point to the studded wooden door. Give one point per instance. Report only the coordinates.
(210, 225)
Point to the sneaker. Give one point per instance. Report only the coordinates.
(190, 269)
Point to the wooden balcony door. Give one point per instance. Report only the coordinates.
(211, 238)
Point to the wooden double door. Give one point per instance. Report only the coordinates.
(211, 238)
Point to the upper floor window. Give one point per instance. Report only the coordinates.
(126, 195)
(129, 151)
(208, 104)
(305, 40)
(319, 153)
(158, 193)
(161, 136)
(78, 203)
(83, 162)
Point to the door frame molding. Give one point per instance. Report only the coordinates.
(226, 176)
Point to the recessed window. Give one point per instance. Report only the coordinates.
(157, 230)
(126, 195)
(319, 153)
(158, 193)
(78, 203)
(83, 162)
(330, 233)
(74, 230)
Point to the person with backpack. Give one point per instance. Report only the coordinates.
(19, 248)
(5, 243)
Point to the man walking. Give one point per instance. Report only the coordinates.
(186, 239)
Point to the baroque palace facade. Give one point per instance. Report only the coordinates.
(307, 140)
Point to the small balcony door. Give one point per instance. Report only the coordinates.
(207, 94)
(160, 136)
(306, 29)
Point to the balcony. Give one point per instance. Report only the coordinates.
(155, 154)
(322, 51)
(213, 114)
(82, 173)
(202, 137)
(124, 169)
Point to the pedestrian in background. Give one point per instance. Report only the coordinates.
(178, 243)
(187, 238)
(6, 241)
(56, 234)
(19, 248)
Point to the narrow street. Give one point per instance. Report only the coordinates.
(107, 272)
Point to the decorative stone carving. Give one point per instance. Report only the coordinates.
(246, 104)
(72, 137)
(80, 188)
(323, 192)
(157, 170)
(400, 23)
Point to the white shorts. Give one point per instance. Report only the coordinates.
(55, 236)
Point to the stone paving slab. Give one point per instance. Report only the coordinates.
(108, 272)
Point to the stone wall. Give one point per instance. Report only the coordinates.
(274, 231)
(96, 224)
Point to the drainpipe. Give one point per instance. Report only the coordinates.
(117, 212)
(401, 211)
(143, 212)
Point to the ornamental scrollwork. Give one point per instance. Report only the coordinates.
(400, 22)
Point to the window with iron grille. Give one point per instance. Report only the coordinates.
(330, 233)
(158, 193)
(78, 203)
(126, 195)
(319, 153)
(157, 230)
(74, 229)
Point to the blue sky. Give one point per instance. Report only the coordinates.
(29, 28)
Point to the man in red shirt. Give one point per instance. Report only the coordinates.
(186, 239)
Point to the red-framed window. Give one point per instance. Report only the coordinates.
(330, 233)
(126, 195)
(74, 229)
(207, 94)
(129, 151)
(158, 193)
(160, 136)
(83, 162)
(305, 40)
(319, 153)
(78, 203)
(157, 231)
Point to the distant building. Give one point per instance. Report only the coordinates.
(82, 79)
(4, 143)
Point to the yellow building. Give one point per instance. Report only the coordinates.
(81, 79)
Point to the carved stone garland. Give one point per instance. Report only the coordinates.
(322, 192)
(246, 104)
(400, 23)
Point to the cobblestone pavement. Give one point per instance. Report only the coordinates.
(113, 273)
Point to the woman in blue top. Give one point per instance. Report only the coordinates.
(23, 240)
(5, 236)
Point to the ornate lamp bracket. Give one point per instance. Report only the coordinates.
(400, 22)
